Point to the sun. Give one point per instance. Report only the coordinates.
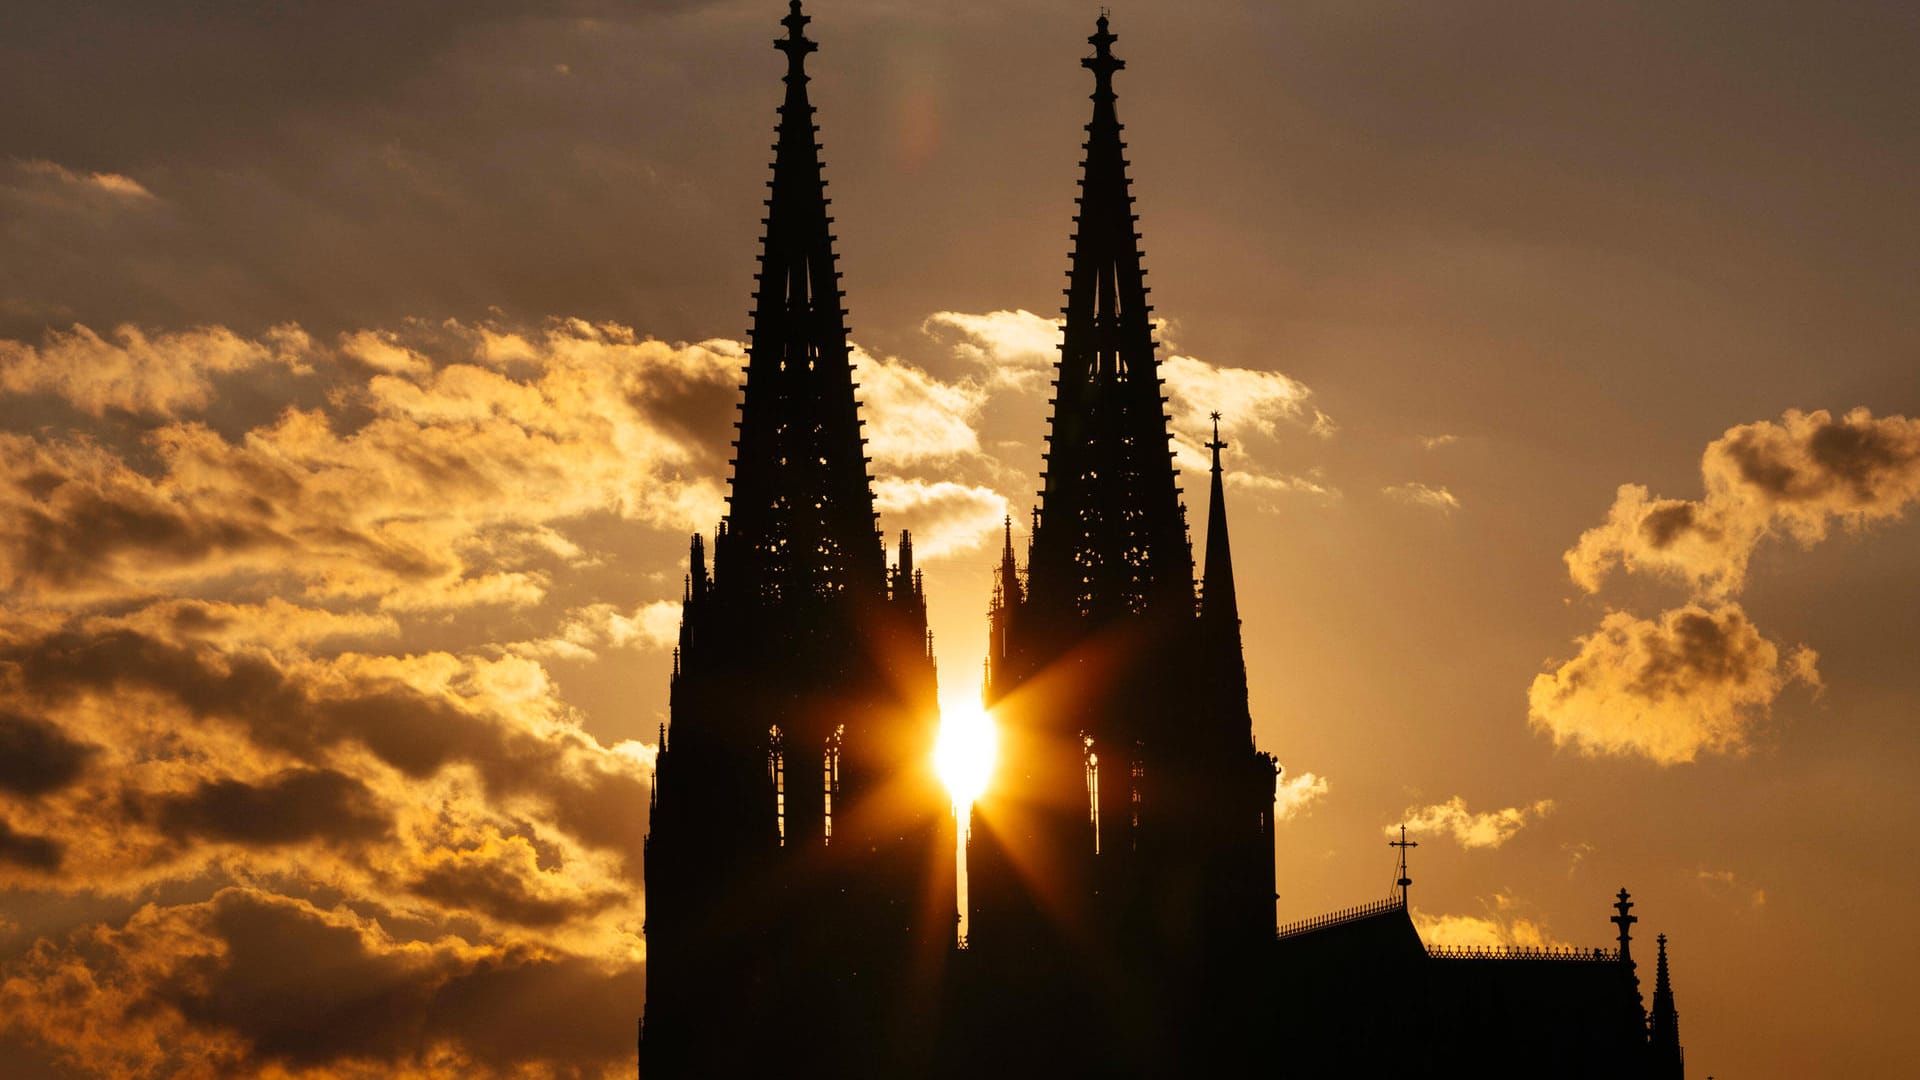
(964, 751)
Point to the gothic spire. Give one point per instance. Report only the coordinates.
(1220, 606)
(1112, 533)
(1663, 1026)
(1009, 583)
(800, 519)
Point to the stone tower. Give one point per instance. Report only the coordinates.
(798, 866)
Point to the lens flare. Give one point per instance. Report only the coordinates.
(964, 751)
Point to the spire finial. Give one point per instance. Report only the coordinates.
(1624, 921)
(796, 44)
(1403, 844)
(1217, 444)
(1102, 63)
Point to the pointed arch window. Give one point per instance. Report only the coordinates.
(777, 776)
(1139, 782)
(1093, 792)
(830, 781)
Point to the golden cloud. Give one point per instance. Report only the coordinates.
(1795, 477)
(1297, 794)
(1693, 680)
(913, 417)
(945, 517)
(431, 490)
(1014, 348)
(163, 375)
(1700, 677)
(1414, 493)
(1487, 829)
(1483, 932)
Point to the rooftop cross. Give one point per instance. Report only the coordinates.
(1403, 844)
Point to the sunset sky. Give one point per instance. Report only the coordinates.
(364, 368)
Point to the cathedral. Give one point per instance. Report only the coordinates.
(800, 867)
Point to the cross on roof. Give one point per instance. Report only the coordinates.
(1403, 844)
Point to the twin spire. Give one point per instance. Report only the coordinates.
(1112, 538)
(801, 518)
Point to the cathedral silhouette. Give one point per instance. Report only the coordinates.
(800, 869)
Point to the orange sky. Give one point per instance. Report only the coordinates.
(363, 370)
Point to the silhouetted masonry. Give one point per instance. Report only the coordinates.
(1121, 879)
(799, 867)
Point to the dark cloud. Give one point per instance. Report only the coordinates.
(248, 983)
(215, 74)
(502, 890)
(306, 710)
(37, 757)
(289, 807)
(352, 999)
(567, 1009)
(31, 852)
(74, 532)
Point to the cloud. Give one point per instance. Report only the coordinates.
(247, 748)
(1728, 887)
(292, 806)
(37, 757)
(1435, 442)
(1414, 493)
(1794, 477)
(383, 351)
(482, 851)
(1701, 678)
(436, 490)
(1014, 352)
(1014, 348)
(911, 416)
(273, 624)
(31, 852)
(1253, 405)
(1576, 854)
(584, 630)
(1695, 679)
(1501, 924)
(1488, 829)
(204, 988)
(945, 518)
(1248, 401)
(1484, 932)
(112, 185)
(1262, 484)
(164, 375)
(1297, 794)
